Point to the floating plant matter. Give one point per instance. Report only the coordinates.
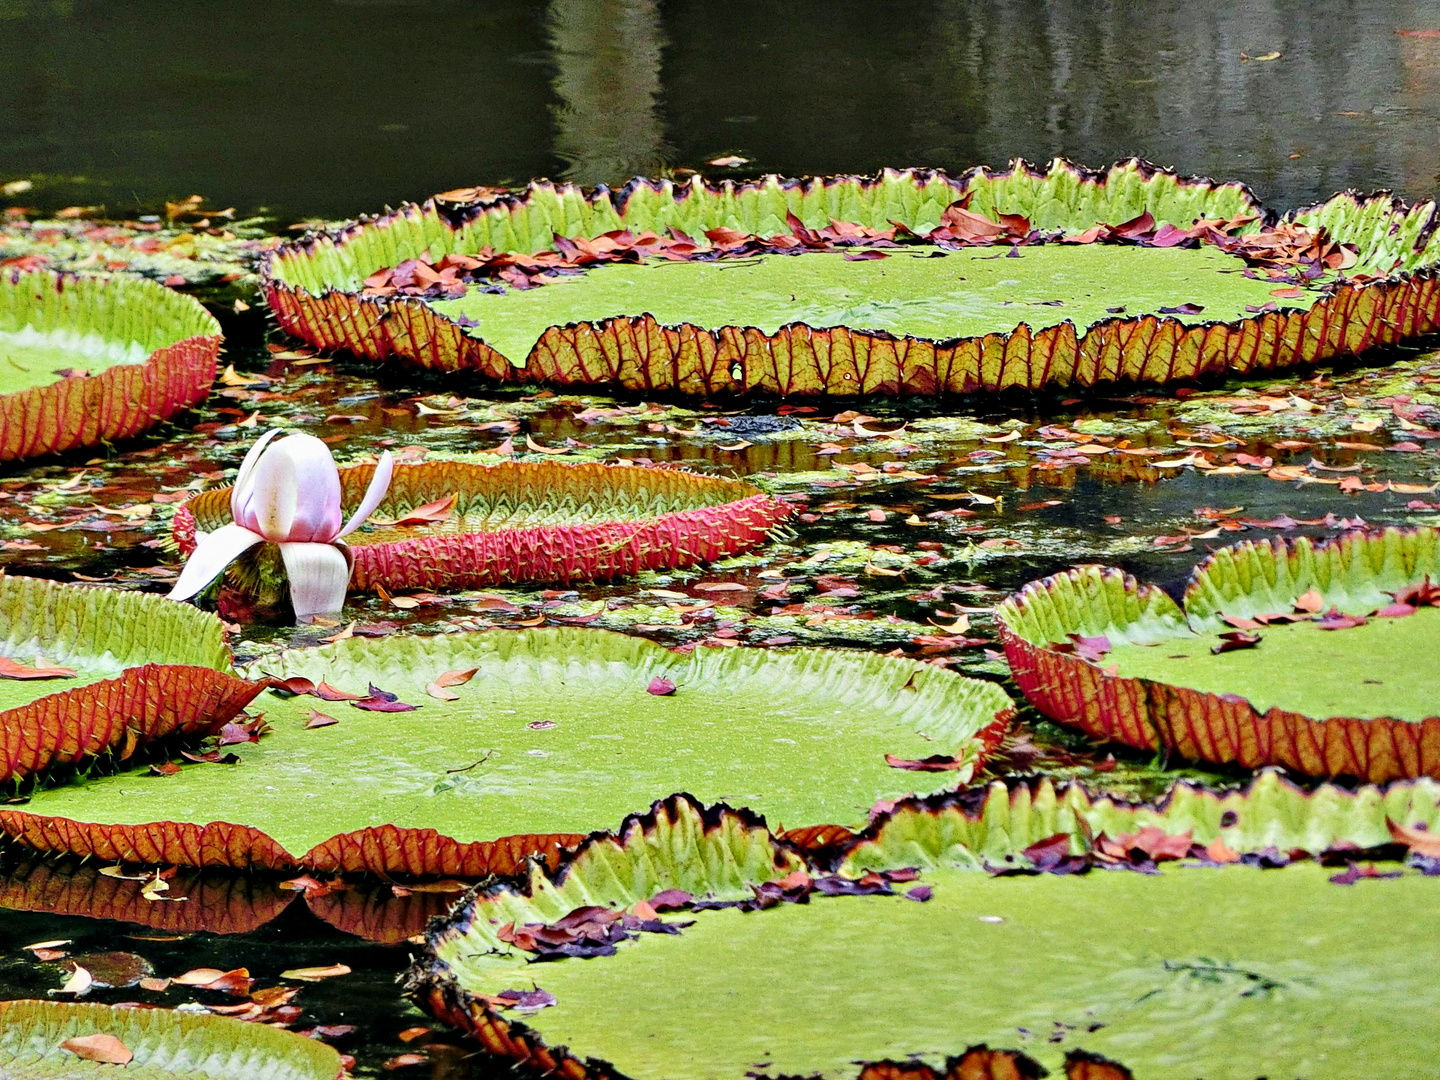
(287, 494)
(456, 525)
(91, 673)
(1307, 655)
(912, 282)
(797, 969)
(48, 1040)
(551, 734)
(89, 359)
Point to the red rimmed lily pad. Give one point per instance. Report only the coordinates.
(90, 359)
(1308, 655)
(556, 734)
(481, 525)
(907, 283)
(898, 961)
(95, 673)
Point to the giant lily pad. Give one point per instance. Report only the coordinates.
(1345, 690)
(95, 672)
(151, 1044)
(95, 358)
(539, 521)
(842, 285)
(557, 733)
(1223, 971)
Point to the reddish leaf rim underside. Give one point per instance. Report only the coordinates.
(228, 904)
(218, 902)
(383, 851)
(561, 553)
(117, 403)
(114, 716)
(639, 354)
(1225, 729)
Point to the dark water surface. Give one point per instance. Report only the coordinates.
(335, 107)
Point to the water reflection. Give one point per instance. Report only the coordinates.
(607, 80)
(340, 108)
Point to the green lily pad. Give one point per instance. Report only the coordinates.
(530, 521)
(1229, 972)
(163, 1044)
(920, 293)
(557, 733)
(96, 672)
(805, 317)
(90, 359)
(1227, 678)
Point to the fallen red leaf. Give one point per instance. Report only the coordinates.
(933, 763)
(9, 669)
(661, 687)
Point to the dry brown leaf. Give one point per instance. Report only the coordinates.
(315, 974)
(99, 1047)
(533, 445)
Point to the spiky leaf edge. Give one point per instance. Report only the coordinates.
(956, 828)
(561, 553)
(1221, 728)
(113, 717)
(639, 354)
(120, 401)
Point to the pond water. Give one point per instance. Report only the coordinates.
(328, 110)
(341, 106)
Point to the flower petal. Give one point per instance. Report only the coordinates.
(242, 478)
(211, 556)
(317, 508)
(319, 575)
(379, 484)
(274, 495)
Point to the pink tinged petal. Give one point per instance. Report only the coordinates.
(379, 484)
(239, 493)
(317, 510)
(211, 556)
(319, 575)
(273, 499)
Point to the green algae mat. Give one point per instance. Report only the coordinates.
(1188, 969)
(91, 673)
(454, 525)
(552, 734)
(907, 283)
(46, 1040)
(93, 358)
(1306, 654)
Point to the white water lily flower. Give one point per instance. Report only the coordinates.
(288, 494)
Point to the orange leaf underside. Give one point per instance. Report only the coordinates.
(115, 716)
(217, 904)
(117, 403)
(385, 850)
(639, 354)
(1198, 725)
